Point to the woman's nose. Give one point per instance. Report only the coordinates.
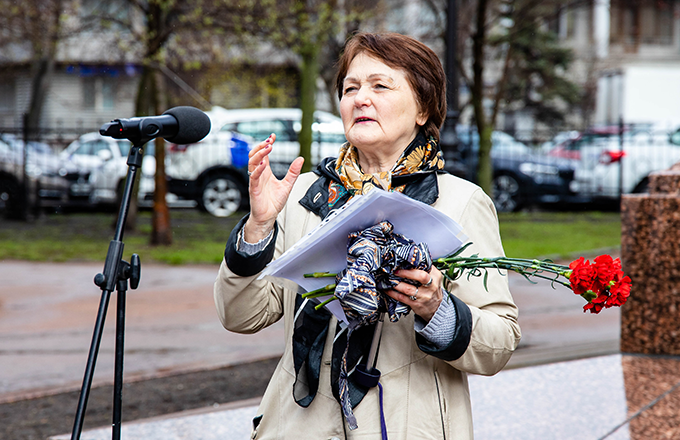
(362, 97)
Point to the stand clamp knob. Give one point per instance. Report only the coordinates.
(135, 271)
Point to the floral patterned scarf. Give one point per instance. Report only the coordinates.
(421, 156)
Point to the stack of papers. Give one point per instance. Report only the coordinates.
(324, 249)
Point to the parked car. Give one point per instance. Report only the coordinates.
(89, 152)
(610, 168)
(211, 172)
(569, 144)
(216, 177)
(521, 176)
(107, 182)
(47, 176)
(193, 175)
(328, 132)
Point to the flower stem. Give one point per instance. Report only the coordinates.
(319, 275)
(455, 266)
(326, 290)
(321, 304)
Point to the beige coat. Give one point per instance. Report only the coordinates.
(424, 397)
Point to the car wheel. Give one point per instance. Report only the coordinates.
(221, 196)
(506, 193)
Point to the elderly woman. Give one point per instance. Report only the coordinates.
(392, 101)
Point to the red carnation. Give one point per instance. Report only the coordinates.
(620, 291)
(605, 269)
(582, 276)
(595, 305)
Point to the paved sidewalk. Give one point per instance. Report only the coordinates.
(48, 311)
(558, 401)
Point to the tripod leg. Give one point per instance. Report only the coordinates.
(120, 351)
(107, 281)
(91, 362)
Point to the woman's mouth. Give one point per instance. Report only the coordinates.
(363, 119)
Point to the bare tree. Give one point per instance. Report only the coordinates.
(31, 31)
(314, 30)
(531, 69)
(149, 29)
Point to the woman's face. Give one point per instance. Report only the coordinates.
(378, 107)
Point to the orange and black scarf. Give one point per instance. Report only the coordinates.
(421, 156)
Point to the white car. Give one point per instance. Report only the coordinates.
(328, 132)
(89, 152)
(215, 176)
(605, 172)
(107, 182)
(187, 169)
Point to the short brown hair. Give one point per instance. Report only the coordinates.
(423, 69)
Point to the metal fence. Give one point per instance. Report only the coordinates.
(544, 168)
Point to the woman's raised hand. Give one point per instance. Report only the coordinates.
(268, 195)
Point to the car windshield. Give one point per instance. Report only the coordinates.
(261, 130)
(502, 143)
(38, 147)
(506, 144)
(5, 149)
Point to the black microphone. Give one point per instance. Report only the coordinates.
(180, 125)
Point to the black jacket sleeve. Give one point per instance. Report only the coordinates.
(243, 264)
(461, 338)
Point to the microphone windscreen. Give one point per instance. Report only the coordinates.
(193, 125)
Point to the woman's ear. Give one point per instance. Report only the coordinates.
(421, 119)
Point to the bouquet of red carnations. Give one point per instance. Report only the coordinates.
(601, 283)
(377, 251)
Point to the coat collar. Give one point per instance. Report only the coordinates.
(421, 187)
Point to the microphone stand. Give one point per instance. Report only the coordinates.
(115, 275)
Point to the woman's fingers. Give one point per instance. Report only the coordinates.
(294, 171)
(257, 155)
(426, 279)
(268, 195)
(425, 298)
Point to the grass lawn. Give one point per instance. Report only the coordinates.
(200, 238)
(562, 235)
(84, 236)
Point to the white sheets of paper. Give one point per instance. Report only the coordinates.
(324, 249)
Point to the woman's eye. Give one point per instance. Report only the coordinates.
(348, 90)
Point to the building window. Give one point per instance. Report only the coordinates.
(99, 92)
(108, 93)
(564, 24)
(635, 22)
(117, 11)
(89, 93)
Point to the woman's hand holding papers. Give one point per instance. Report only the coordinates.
(268, 195)
(424, 300)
